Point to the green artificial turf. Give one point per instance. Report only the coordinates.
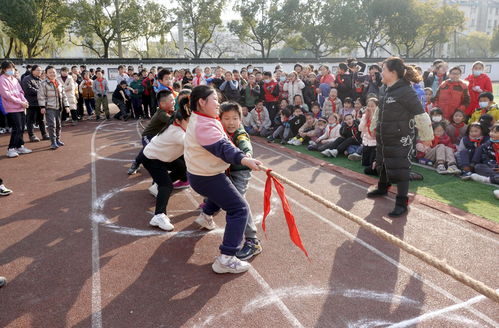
(470, 196)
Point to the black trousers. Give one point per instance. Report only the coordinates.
(159, 173)
(17, 122)
(402, 186)
(341, 144)
(146, 102)
(33, 116)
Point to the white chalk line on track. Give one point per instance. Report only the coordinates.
(413, 207)
(96, 284)
(373, 249)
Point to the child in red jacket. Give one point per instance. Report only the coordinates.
(441, 151)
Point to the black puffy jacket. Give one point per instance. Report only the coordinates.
(395, 130)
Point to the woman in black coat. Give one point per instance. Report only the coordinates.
(400, 112)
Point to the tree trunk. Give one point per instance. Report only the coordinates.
(147, 47)
(11, 44)
(106, 50)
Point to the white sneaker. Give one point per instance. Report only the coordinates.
(206, 221)
(153, 189)
(334, 152)
(441, 169)
(327, 153)
(4, 191)
(496, 193)
(480, 178)
(298, 142)
(12, 152)
(291, 141)
(3, 131)
(229, 264)
(312, 143)
(162, 221)
(23, 150)
(452, 169)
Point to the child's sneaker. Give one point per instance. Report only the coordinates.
(153, 189)
(4, 191)
(229, 264)
(425, 161)
(480, 178)
(354, 157)
(292, 141)
(206, 221)
(23, 150)
(134, 168)
(181, 184)
(466, 175)
(12, 152)
(312, 143)
(334, 152)
(298, 142)
(162, 221)
(327, 153)
(452, 169)
(496, 193)
(250, 248)
(441, 169)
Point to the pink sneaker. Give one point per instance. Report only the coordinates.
(181, 185)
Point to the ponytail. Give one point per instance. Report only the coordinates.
(183, 113)
(406, 72)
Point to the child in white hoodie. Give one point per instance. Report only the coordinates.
(331, 133)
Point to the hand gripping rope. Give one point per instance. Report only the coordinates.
(295, 235)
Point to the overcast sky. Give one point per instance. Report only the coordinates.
(227, 15)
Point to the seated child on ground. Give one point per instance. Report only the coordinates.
(486, 159)
(349, 135)
(331, 133)
(473, 139)
(307, 127)
(332, 104)
(246, 119)
(487, 106)
(347, 109)
(441, 151)
(260, 120)
(316, 110)
(283, 126)
(296, 122)
(457, 128)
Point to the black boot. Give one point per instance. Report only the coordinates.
(382, 190)
(400, 206)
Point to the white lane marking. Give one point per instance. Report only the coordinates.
(337, 176)
(271, 294)
(386, 257)
(312, 291)
(96, 285)
(429, 315)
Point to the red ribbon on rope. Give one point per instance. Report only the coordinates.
(290, 219)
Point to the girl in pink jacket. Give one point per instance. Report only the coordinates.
(15, 105)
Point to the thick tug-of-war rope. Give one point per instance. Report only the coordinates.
(425, 257)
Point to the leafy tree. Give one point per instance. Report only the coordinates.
(422, 34)
(156, 21)
(265, 24)
(320, 31)
(475, 44)
(200, 19)
(33, 23)
(98, 25)
(494, 42)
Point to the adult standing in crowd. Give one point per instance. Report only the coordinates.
(400, 111)
(14, 103)
(77, 76)
(52, 100)
(452, 94)
(70, 89)
(30, 85)
(478, 82)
